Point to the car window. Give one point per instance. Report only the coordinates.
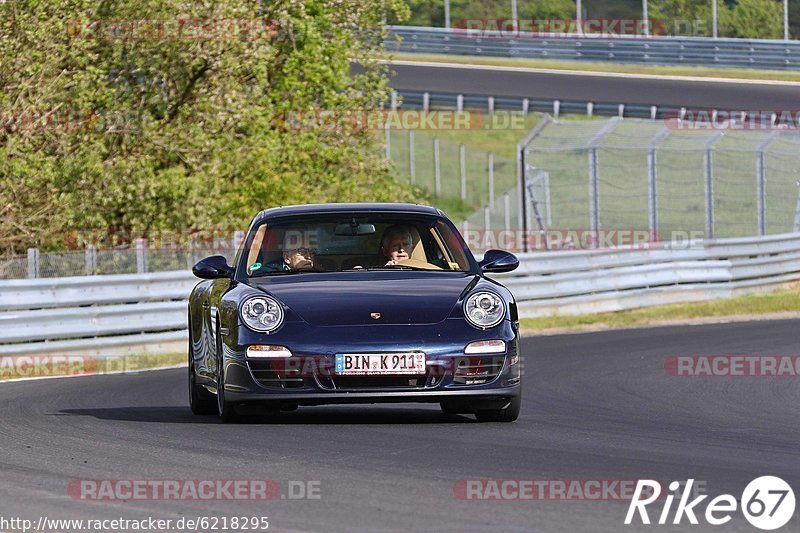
(331, 243)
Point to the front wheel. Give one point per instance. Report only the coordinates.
(507, 414)
(201, 402)
(225, 409)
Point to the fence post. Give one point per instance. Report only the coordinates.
(761, 182)
(708, 181)
(90, 259)
(760, 189)
(652, 182)
(594, 180)
(594, 200)
(462, 160)
(491, 178)
(141, 255)
(437, 168)
(412, 168)
(33, 263)
(507, 211)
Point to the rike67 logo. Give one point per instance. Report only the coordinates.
(767, 503)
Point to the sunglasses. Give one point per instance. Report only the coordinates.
(304, 251)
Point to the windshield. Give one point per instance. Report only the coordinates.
(354, 241)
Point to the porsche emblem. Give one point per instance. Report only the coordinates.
(376, 316)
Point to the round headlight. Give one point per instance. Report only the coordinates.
(484, 309)
(262, 314)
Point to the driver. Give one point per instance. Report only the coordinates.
(297, 255)
(396, 244)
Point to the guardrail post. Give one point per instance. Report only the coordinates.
(141, 255)
(589, 109)
(621, 110)
(437, 168)
(90, 259)
(412, 165)
(490, 104)
(491, 178)
(556, 108)
(426, 101)
(653, 112)
(394, 101)
(462, 160)
(460, 102)
(33, 263)
(525, 105)
(446, 13)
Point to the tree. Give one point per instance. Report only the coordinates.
(180, 125)
(755, 19)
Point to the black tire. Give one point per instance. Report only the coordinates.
(449, 409)
(201, 402)
(225, 409)
(508, 414)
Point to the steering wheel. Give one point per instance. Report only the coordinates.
(416, 263)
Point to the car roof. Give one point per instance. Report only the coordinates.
(373, 207)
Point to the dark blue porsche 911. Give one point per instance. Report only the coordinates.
(354, 303)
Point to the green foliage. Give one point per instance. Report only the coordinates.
(753, 19)
(183, 133)
(431, 13)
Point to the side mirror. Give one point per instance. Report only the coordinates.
(498, 261)
(214, 267)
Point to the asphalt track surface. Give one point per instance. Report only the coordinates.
(597, 88)
(596, 406)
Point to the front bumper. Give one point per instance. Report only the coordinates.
(308, 378)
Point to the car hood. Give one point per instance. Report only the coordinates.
(351, 298)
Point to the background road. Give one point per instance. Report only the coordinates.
(597, 88)
(596, 406)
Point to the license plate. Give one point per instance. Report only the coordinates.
(378, 364)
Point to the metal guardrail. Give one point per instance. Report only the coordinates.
(107, 315)
(694, 51)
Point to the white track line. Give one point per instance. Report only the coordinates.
(112, 373)
(591, 74)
